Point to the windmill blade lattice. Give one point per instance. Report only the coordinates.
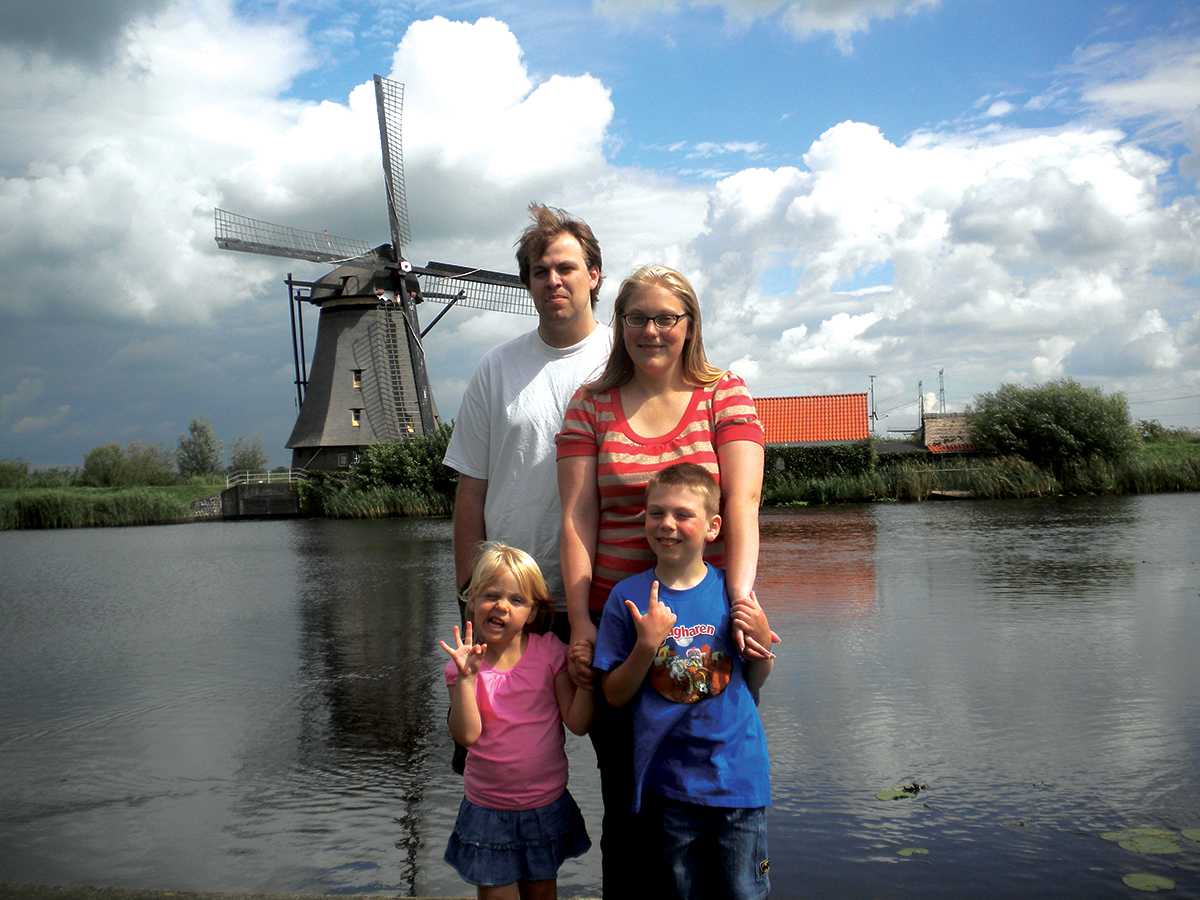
(236, 232)
(389, 104)
(475, 288)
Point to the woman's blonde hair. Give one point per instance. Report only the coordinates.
(697, 369)
(493, 557)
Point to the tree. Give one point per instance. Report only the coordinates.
(104, 466)
(1054, 425)
(247, 455)
(148, 464)
(14, 473)
(199, 450)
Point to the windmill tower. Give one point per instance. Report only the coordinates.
(368, 381)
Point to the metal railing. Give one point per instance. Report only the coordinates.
(291, 476)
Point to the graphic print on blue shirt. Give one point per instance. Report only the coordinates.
(687, 668)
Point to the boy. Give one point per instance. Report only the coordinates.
(701, 773)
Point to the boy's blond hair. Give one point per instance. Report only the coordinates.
(693, 477)
(494, 556)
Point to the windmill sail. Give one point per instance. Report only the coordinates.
(389, 104)
(475, 288)
(235, 232)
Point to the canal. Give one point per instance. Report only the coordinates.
(259, 705)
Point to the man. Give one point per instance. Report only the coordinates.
(503, 441)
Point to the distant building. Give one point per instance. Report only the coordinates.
(947, 433)
(815, 419)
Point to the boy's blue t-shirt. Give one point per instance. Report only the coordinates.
(697, 734)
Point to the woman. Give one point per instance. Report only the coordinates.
(658, 402)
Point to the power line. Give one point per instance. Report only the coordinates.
(1166, 399)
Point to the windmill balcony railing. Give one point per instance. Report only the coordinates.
(291, 476)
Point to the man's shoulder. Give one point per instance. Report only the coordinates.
(500, 354)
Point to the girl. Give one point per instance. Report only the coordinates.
(509, 697)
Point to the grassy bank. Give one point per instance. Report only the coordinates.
(81, 507)
(1155, 468)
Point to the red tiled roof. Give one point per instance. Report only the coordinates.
(813, 419)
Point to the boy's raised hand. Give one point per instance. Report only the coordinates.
(467, 656)
(656, 624)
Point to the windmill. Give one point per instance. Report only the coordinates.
(368, 381)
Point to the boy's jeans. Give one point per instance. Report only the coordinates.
(710, 851)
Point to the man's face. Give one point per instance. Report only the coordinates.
(677, 524)
(561, 283)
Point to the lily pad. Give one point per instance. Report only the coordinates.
(901, 791)
(1145, 839)
(913, 851)
(1192, 834)
(1144, 881)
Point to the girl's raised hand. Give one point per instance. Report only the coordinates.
(467, 656)
(656, 624)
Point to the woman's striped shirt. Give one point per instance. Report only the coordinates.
(595, 425)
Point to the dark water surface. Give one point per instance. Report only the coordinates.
(259, 706)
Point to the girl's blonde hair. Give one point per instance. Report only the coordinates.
(494, 556)
(697, 369)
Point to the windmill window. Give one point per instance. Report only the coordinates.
(357, 379)
(343, 460)
(356, 418)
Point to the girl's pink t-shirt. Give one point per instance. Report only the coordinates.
(519, 761)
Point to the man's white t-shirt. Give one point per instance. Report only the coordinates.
(504, 433)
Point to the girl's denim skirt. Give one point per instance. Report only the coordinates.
(501, 846)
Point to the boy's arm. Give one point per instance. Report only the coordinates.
(574, 703)
(752, 619)
(757, 671)
(622, 683)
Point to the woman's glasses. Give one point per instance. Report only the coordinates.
(663, 322)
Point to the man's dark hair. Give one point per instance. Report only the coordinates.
(548, 223)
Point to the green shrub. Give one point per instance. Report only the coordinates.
(820, 460)
(14, 473)
(1058, 425)
(413, 465)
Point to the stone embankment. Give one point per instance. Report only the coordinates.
(207, 507)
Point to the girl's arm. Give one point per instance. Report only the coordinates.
(465, 722)
(580, 498)
(574, 703)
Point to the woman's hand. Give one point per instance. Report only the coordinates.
(751, 628)
(468, 657)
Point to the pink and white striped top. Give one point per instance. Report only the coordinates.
(595, 425)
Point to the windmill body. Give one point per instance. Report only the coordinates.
(368, 382)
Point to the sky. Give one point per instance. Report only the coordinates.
(945, 195)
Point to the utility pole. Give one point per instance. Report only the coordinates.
(921, 402)
(941, 391)
(874, 417)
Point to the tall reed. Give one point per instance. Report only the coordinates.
(82, 508)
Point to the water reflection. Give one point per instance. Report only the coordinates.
(368, 602)
(820, 561)
(259, 706)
